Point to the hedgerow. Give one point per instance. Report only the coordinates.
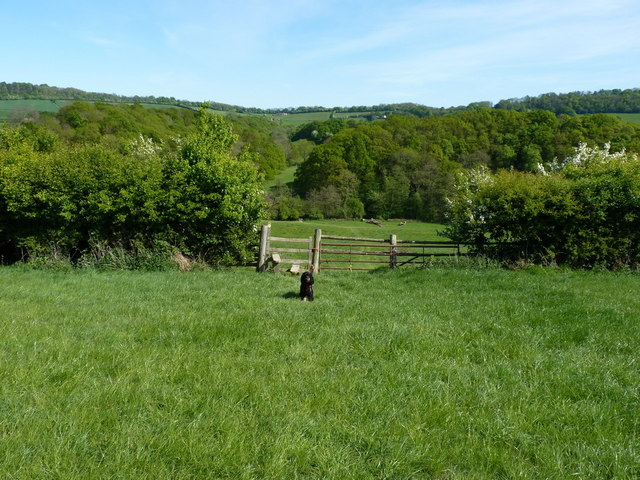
(199, 200)
(583, 211)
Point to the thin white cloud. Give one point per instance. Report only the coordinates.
(426, 26)
(102, 41)
(542, 38)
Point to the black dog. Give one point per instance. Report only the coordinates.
(306, 287)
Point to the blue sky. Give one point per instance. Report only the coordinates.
(287, 53)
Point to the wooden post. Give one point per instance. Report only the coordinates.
(315, 268)
(310, 259)
(263, 255)
(393, 260)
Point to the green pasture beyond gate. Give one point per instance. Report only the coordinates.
(448, 373)
(357, 228)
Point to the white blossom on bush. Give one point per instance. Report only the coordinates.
(584, 156)
(144, 146)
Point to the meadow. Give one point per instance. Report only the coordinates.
(448, 373)
(629, 117)
(290, 119)
(411, 230)
(284, 177)
(8, 107)
(297, 119)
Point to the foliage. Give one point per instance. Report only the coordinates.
(282, 205)
(58, 201)
(214, 199)
(267, 140)
(603, 101)
(320, 131)
(583, 211)
(405, 166)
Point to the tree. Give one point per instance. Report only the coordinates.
(213, 200)
(325, 162)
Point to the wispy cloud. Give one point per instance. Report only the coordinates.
(518, 35)
(102, 42)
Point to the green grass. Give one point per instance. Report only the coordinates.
(412, 230)
(440, 373)
(284, 177)
(293, 119)
(9, 106)
(297, 119)
(629, 117)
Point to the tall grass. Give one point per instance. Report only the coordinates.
(438, 373)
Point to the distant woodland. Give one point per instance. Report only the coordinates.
(405, 166)
(603, 101)
(401, 166)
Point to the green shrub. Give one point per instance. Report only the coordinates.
(584, 211)
(201, 200)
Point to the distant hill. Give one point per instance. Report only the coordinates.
(581, 103)
(28, 91)
(603, 101)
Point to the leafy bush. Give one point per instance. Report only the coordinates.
(583, 211)
(200, 200)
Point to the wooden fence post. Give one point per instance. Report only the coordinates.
(393, 260)
(315, 268)
(263, 255)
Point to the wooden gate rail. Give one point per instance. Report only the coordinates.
(391, 251)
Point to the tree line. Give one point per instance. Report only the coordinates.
(602, 101)
(116, 125)
(125, 166)
(405, 166)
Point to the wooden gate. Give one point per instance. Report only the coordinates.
(354, 253)
(331, 252)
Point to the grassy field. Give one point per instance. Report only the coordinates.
(629, 117)
(9, 106)
(356, 228)
(284, 177)
(438, 373)
(292, 119)
(296, 119)
(411, 230)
